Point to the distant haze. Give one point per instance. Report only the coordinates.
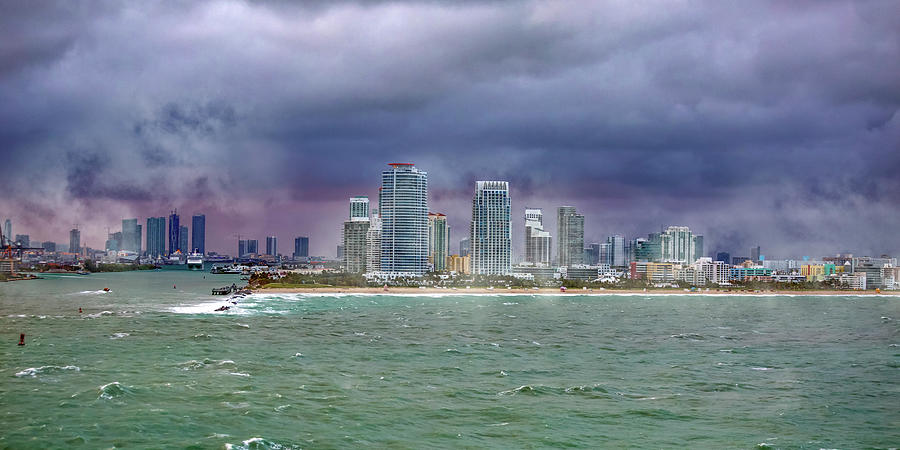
(770, 123)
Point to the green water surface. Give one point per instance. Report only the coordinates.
(147, 365)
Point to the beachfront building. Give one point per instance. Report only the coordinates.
(679, 245)
(359, 207)
(491, 229)
(570, 234)
(174, 232)
(373, 243)
(354, 242)
(438, 241)
(404, 216)
(537, 240)
(75, 241)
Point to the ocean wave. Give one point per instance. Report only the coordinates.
(119, 335)
(114, 390)
(259, 443)
(99, 314)
(540, 389)
(35, 371)
(690, 336)
(100, 291)
(194, 364)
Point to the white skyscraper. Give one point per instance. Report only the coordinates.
(491, 229)
(404, 219)
(537, 241)
(359, 207)
(678, 245)
(373, 243)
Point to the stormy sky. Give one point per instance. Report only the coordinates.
(770, 123)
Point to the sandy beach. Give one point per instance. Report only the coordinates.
(552, 291)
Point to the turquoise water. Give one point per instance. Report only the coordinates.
(146, 365)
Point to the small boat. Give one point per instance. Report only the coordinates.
(106, 289)
(83, 272)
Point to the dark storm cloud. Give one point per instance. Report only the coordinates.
(763, 122)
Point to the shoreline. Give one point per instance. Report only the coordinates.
(553, 291)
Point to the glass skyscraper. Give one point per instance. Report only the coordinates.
(174, 232)
(404, 215)
(131, 236)
(570, 230)
(198, 233)
(491, 229)
(183, 240)
(438, 241)
(301, 247)
(271, 245)
(156, 236)
(74, 241)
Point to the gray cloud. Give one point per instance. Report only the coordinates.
(761, 122)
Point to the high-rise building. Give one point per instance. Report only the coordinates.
(570, 234)
(49, 246)
(74, 241)
(301, 247)
(438, 241)
(242, 248)
(156, 237)
(183, 240)
(198, 233)
(131, 238)
(174, 232)
(359, 207)
(616, 255)
(699, 251)
(253, 246)
(114, 241)
(354, 243)
(340, 251)
(537, 240)
(679, 245)
(7, 230)
(646, 250)
(491, 229)
(23, 239)
(465, 247)
(592, 254)
(754, 253)
(404, 215)
(604, 253)
(271, 245)
(373, 244)
(724, 257)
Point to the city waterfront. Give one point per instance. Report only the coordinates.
(150, 364)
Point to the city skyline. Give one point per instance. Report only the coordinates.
(705, 118)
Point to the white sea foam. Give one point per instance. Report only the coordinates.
(35, 371)
(209, 308)
(99, 314)
(239, 374)
(762, 368)
(119, 335)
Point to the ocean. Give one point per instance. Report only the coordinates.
(150, 364)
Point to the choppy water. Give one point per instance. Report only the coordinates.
(147, 365)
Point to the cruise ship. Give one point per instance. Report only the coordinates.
(195, 261)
